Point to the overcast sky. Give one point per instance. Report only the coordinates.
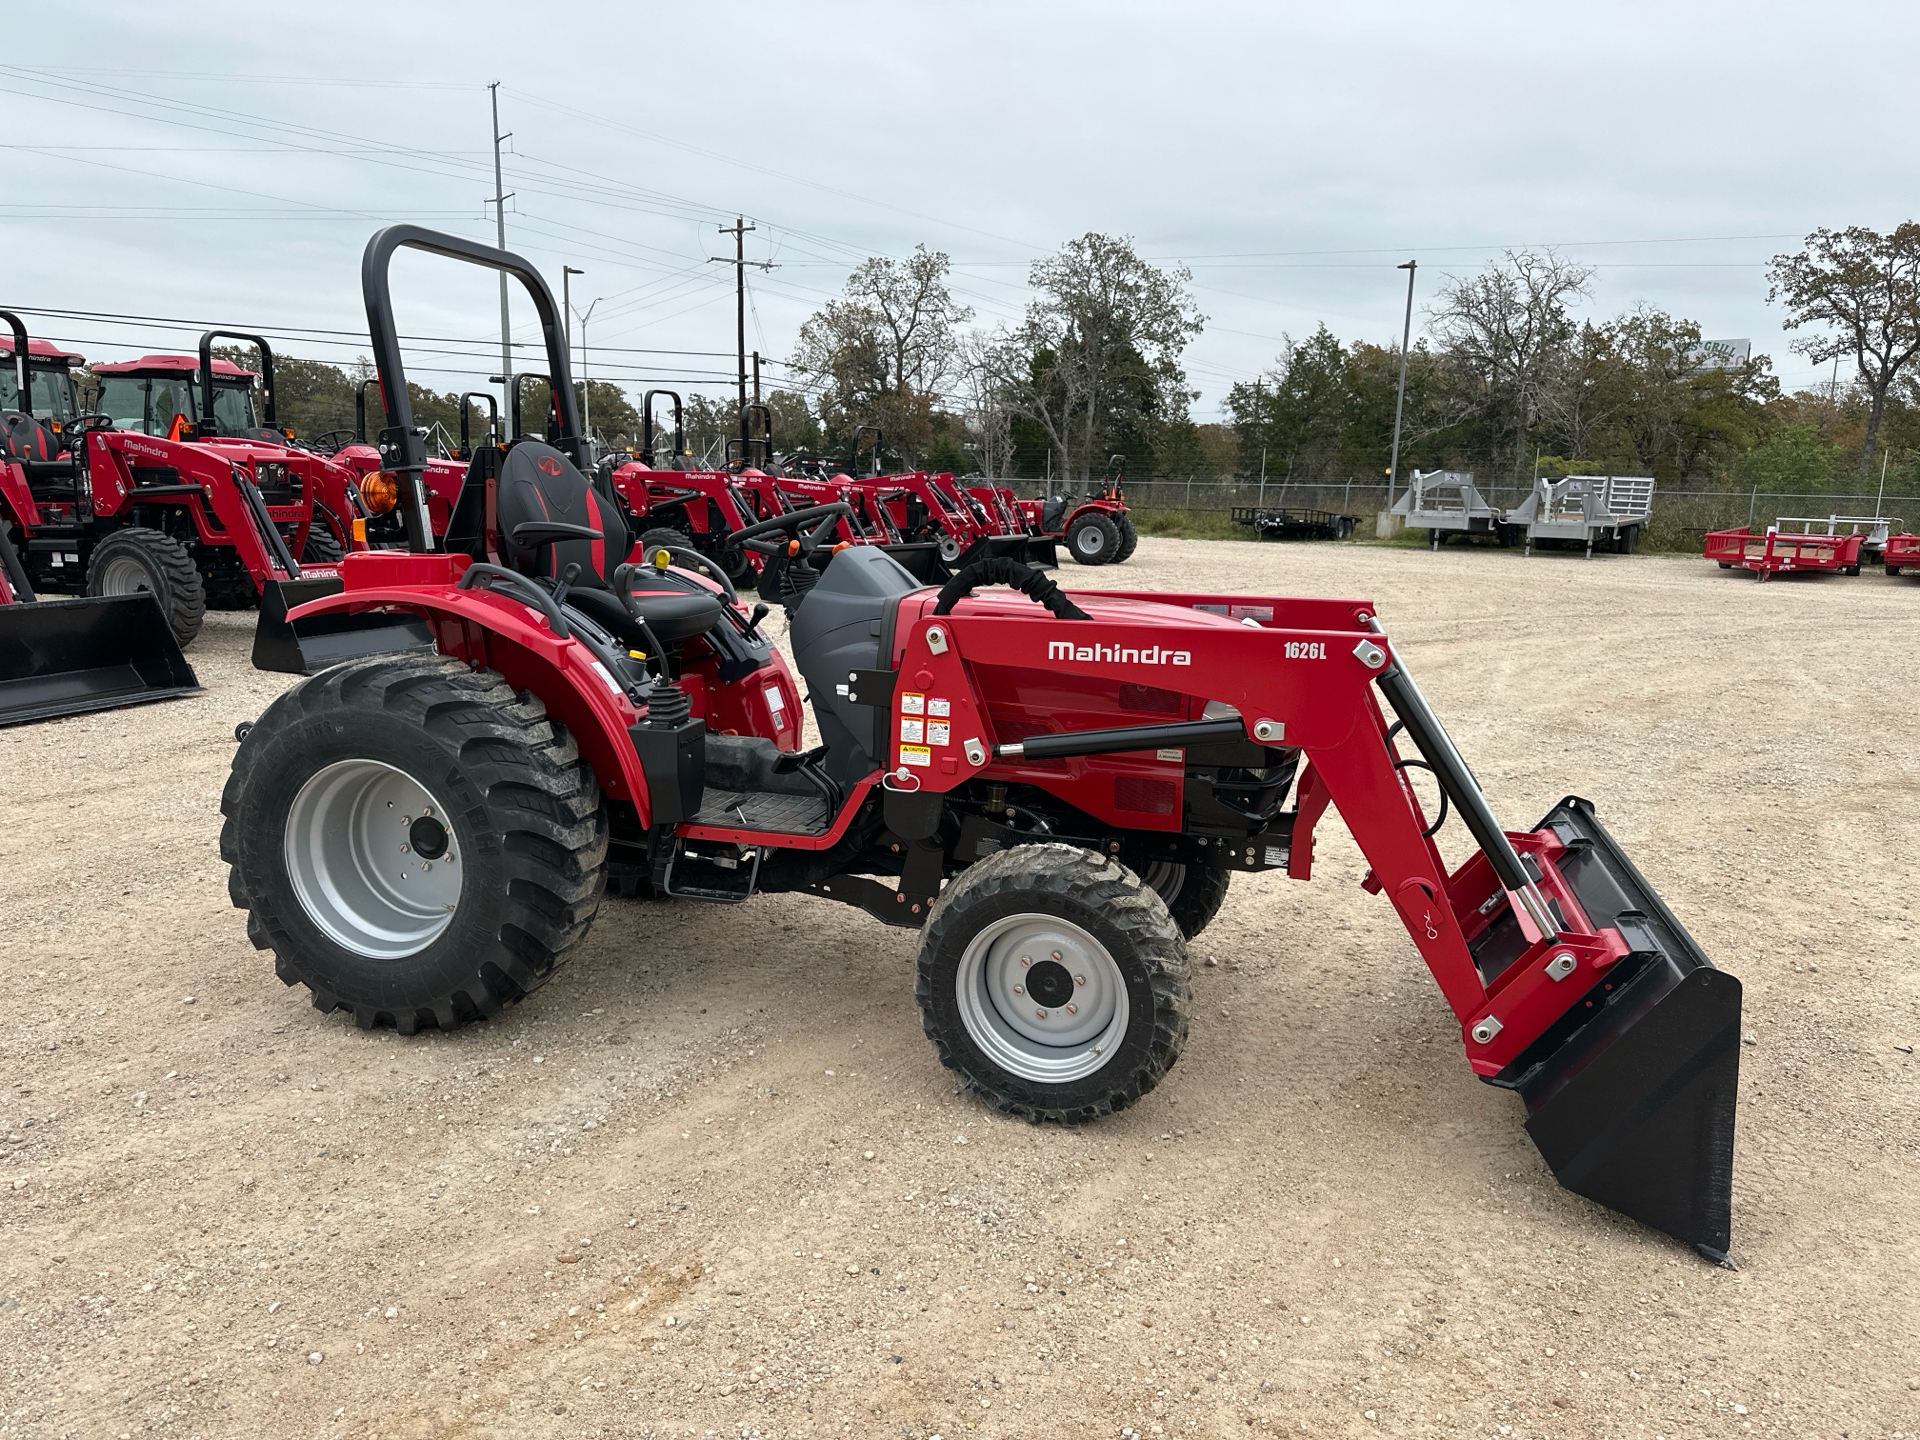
(228, 166)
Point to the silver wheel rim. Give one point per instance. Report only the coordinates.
(1091, 540)
(361, 852)
(1027, 1034)
(949, 548)
(123, 575)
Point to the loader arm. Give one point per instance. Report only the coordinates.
(1572, 982)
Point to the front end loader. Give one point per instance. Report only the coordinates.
(1055, 790)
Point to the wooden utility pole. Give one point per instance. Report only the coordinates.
(739, 230)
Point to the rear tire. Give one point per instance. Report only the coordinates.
(1129, 537)
(135, 559)
(1065, 1039)
(1094, 539)
(1192, 894)
(497, 831)
(322, 547)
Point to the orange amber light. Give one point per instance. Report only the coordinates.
(379, 492)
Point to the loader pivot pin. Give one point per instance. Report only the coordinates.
(1484, 1032)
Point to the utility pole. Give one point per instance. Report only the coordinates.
(500, 198)
(1400, 400)
(739, 230)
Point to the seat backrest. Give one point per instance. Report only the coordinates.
(26, 438)
(537, 482)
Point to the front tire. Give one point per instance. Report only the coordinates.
(322, 546)
(135, 559)
(1094, 539)
(1129, 538)
(416, 842)
(1055, 982)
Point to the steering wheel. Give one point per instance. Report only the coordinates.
(810, 527)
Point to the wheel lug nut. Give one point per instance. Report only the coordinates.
(1041, 1013)
(1018, 991)
(1026, 959)
(406, 819)
(1072, 1011)
(1056, 956)
(1079, 979)
(403, 849)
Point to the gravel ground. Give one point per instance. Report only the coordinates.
(711, 1180)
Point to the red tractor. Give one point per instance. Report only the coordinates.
(199, 437)
(67, 656)
(1098, 530)
(1054, 790)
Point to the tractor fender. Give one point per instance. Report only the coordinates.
(489, 630)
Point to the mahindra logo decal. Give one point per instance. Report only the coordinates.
(548, 464)
(1109, 654)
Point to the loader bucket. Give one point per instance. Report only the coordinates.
(67, 657)
(1630, 1098)
(310, 645)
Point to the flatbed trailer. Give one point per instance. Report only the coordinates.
(1605, 510)
(1447, 502)
(1294, 524)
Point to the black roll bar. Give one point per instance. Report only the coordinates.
(493, 418)
(360, 408)
(208, 425)
(402, 445)
(20, 343)
(646, 425)
(853, 450)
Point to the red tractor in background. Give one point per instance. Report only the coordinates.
(310, 501)
(1098, 530)
(64, 656)
(1055, 790)
(98, 510)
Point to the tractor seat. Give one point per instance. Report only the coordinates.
(538, 483)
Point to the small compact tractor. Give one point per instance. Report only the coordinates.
(1098, 530)
(1055, 790)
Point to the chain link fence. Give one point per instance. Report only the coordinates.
(1203, 505)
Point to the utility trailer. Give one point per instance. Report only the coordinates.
(1294, 524)
(1775, 552)
(1873, 530)
(1607, 510)
(1447, 502)
(1902, 554)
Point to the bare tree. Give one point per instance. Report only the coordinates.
(1865, 287)
(985, 413)
(1105, 332)
(884, 352)
(1505, 327)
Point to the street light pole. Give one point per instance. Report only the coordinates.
(1400, 400)
(586, 389)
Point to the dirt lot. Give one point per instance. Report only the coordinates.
(711, 1180)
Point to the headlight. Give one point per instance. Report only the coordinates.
(379, 492)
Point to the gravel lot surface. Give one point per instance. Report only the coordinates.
(711, 1180)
